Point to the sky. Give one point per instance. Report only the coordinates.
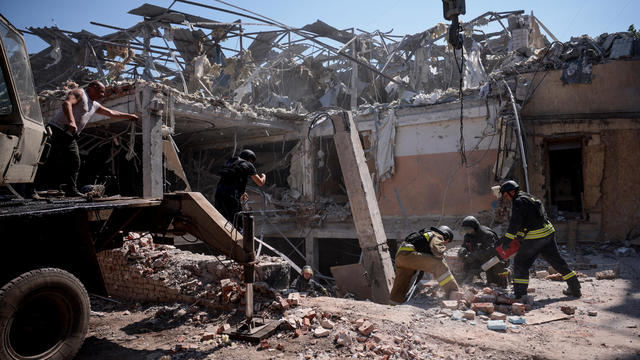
(565, 18)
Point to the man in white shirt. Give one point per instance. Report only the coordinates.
(77, 109)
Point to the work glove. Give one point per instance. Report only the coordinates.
(505, 242)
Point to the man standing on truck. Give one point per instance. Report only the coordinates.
(66, 125)
(233, 182)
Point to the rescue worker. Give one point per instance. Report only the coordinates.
(233, 182)
(530, 225)
(423, 251)
(305, 283)
(66, 125)
(477, 248)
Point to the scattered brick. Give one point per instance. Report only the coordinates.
(606, 274)
(449, 304)
(469, 314)
(264, 344)
(326, 323)
(224, 327)
(366, 329)
(208, 336)
(503, 308)
(542, 274)
(498, 316)
(485, 307)
(518, 309)
(280, 347)
(568, 309)
(321, 332)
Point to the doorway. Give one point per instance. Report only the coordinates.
(566, 184)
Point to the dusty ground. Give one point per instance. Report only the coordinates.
(421, 328)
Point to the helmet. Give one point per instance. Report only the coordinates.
(470, 222)
(247, 155)
(444, 231)
(508, 186)
(307, 269)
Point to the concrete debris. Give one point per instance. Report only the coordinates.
(606, 275)
(497, 325)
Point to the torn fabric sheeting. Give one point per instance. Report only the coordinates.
(385, 141)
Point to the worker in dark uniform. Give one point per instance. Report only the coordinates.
(233, 182)
(477, 248)
(306, 283)
(423, 251)
(529, 223)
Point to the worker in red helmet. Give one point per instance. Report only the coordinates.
(423, 251)
(530, 225)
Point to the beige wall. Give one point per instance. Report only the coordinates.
(614, 88)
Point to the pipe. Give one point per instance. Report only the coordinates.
(520, 143)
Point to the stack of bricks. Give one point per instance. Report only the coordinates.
(128, 282)
(143, 271)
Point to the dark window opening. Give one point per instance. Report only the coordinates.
(565, 178)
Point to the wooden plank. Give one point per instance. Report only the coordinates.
(364, 207)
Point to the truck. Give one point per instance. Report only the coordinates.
(48, 265)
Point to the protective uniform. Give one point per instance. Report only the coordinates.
(477, 248)
(529, 223)
(233, 182)
(421, 251)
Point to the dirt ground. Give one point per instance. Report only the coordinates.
(605, 326)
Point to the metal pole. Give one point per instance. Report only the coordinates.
(249, 278)
(520, 143)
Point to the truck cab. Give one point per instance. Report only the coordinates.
(22, 132)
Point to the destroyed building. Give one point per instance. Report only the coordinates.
(439, 127)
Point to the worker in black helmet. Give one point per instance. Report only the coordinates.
(477, 248)
(529, 223)
(423, 251)
(233, 182)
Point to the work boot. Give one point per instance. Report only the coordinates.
(574, 288)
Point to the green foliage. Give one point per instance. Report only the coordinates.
(634, 32)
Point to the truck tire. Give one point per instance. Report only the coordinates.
(44, 314)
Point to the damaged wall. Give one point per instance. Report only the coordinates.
(428, 168)
(604, 117)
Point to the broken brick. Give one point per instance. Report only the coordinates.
(297, 333)
(568, 309)
(504, 300)
(222, 328)
(283, 302)
(359, 322)
(468, 296)
(485, 307)
(264, 344)
(280, 347)
(449, 304)
(606, 274)
(518, 309)
(327, 324)
(321, 332)
(503, 308)
(366, 329)
(498, 316)
(208, 336)
(484, 298)
(469, 314)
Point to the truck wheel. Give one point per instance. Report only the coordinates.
(44, 314)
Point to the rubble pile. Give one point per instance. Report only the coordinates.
(144, 271)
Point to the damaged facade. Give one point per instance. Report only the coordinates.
(439, 129)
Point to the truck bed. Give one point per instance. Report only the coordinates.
(28, 207)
